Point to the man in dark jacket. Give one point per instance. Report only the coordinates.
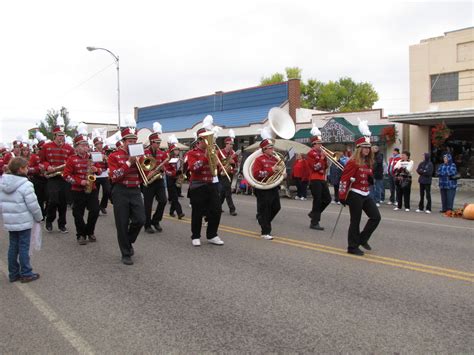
(378, 176)
(425, 170)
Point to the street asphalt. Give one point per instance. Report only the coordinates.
(300, 293)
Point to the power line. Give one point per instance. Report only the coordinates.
(91, 77)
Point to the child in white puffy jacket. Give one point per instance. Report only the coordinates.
(20, 209)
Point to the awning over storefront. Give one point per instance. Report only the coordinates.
(339, 130)
(451, 118)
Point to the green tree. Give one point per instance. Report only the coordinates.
(290, 73)
(342, 95)
(50, 121)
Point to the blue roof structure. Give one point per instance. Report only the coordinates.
(229, 109)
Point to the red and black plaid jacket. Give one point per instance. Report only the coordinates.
(120, 173)
(76, 170)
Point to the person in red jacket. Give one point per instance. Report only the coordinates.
(172, 173)
(229, 159)
(268, 201)
(15, 152)
(317, 165)
(53, 158)
(35, 172)
(354, 191)
(300, 175)
(129, 212)
(84, 192)
(156, 189)
(204, 194)
(103, 179)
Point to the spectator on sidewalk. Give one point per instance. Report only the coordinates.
(377, 188)
(402, 172)
(447, 182)
(425, 170)
(301, 177)
(20, 210)
(391, 176)
(334, 177)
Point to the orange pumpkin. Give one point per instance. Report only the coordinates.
(469, 211)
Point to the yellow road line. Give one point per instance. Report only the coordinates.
(429, 269)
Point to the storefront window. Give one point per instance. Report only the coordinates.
(460, 146)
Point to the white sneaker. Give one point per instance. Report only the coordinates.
(407, 210)
(418, 210)
(428, 211)
(216, 241)
(267, 236)
(196, 242)
(377, 204)
(303, 198)
(396, 209)
(297, 198)
(389, 203)
(338, 202)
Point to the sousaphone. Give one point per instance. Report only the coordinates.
(282, 125)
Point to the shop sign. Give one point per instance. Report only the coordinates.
(334, 132)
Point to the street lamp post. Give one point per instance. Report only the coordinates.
(90, 49)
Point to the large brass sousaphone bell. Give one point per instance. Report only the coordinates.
(282, 125)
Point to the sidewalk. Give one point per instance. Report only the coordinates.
(461, 198)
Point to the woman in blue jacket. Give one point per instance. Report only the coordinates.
(447, 182)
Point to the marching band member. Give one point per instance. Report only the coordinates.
(268, 201)
(172, 172)
(157, 188)
(36, 172)
(102, 179)
(129, 211)
(317, 166)
(203, 192)
(3, 151)
(25, 151)
(229, 160)
(354, 190)
(53, 156)
(15, 152)
(83, 189)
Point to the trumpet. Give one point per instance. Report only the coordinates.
(332, 157)
(58, 170)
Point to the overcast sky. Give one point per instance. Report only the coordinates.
(176, 50)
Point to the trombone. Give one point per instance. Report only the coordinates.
(146, 164)
(332, 157)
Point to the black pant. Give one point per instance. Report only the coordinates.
(403, 193)
(205, 202)
(268, 205)
(156, 189)
(175, 206)
(57, 200)
(226, 192)
(358, 203)
(336, 192)
(40, 184)
(105, 183)
(301, 187)
(81, 201)
(425, 188)
(129, 216)
(321, 199)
